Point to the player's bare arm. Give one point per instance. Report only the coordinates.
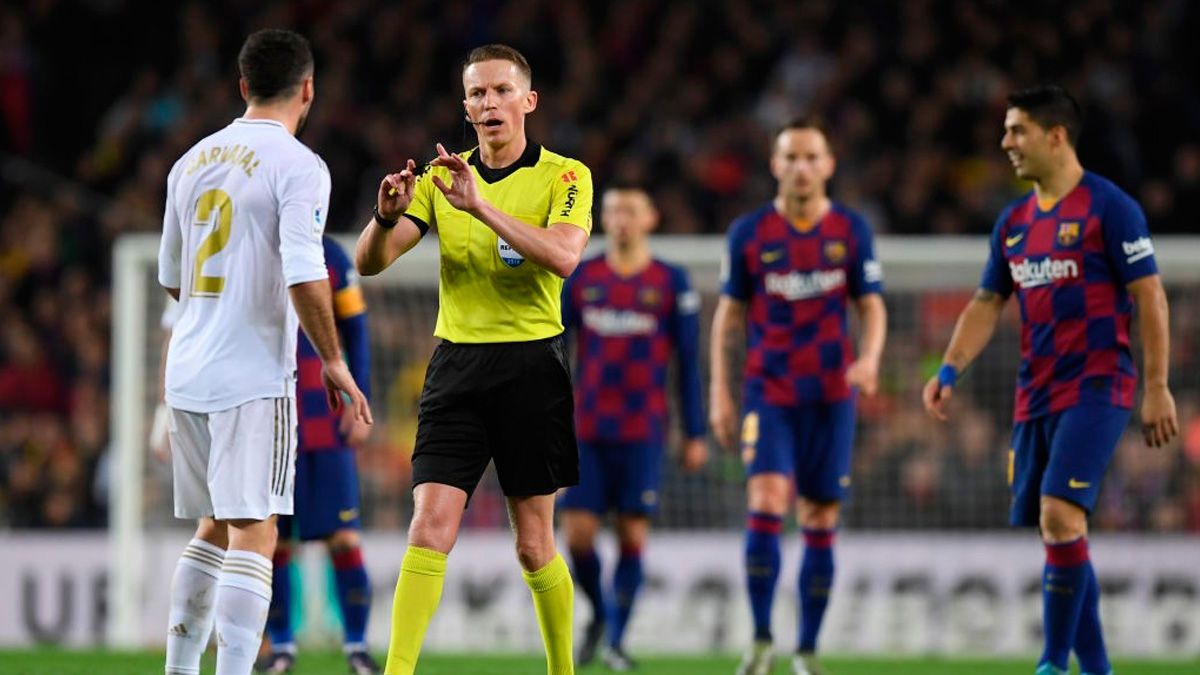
(557, 248)
(314, 306)
(971, 334)
(379, 246)
(727, 331)
(864, 372)
(1159, 421)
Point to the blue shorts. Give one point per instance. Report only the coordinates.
(809, 442)
(326, 495)
(621, 476)
(1064, 455)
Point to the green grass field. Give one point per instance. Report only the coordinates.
(43, 662)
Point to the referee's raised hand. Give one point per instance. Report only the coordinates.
(462, 193)
(396, 191)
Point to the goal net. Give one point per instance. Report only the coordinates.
(909, 473)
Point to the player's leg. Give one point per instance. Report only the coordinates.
(251, 481)
(354, 597)
(282, 654)
(767, 453)
(194, 583)
(824, 436)
(451, 454)
(1081, 444)
(531, 433)
(437, 515)
(632, 531)
(327, 508)
(580, 527)
(244, 594)
(193, 596)
(637, 476)
(582, 506)
(547, 576)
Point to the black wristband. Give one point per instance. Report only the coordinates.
(383, 222)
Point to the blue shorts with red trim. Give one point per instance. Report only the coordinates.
(1064, 455)
(327, 498)
(812, 443)
(625, 477)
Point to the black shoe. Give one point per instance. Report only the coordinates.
(276, 662)
(590, 644)
(361, 663)
(617, 660)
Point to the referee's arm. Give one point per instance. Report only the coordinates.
(379, 246)
(557, 248)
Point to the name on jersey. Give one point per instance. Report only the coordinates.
(1031, 274)
(569, 205)
(798, 286)
(239, 155)
(618, 322)
(1137, 249)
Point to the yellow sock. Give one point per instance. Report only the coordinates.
(418, 591)
(554, 600)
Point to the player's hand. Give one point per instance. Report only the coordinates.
(935, 396)
(722, 416)
(462, 193)
(1159, 421)
(337, 380)
(396, 191)
(160, 437)
(694, 455)
(864, 374)
(354, 432)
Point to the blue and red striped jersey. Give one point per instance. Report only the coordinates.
(627, 329)
(796, 280)
(318, 424)
(1069, 266)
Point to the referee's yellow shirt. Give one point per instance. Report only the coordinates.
(488, 292)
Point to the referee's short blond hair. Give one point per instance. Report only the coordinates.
(499, 52)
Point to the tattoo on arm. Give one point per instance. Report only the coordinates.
(984, 295)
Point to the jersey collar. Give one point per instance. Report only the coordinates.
(533, 152)
(260, 122)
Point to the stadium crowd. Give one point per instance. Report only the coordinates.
(679, 96)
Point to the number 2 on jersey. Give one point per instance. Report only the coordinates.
(212, 200)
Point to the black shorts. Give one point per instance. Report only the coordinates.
(509, 402)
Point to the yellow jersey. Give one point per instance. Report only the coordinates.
(487, 291)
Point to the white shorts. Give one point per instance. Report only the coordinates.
(235, 464)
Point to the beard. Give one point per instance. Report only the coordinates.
(302, 123)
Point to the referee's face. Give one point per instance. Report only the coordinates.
(498, 97)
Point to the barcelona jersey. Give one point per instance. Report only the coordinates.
(318, 424)
(797, 279)
(628, 329)
(1069, 266)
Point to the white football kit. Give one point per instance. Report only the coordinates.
(245, 212)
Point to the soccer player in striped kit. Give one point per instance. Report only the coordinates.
(1077, 254)
(794, 266)
(631, 314)
(326, 494)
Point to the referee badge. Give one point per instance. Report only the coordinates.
(508, 254)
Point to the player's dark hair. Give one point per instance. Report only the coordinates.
(1050, 106)
(805, 121)
(274, 62)
(499, 52)
(624, 185)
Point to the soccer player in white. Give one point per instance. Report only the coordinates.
(242, 228)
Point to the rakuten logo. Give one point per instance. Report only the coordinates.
(618, 322)
(1029, 274)
(1137, 249)
(797, 286)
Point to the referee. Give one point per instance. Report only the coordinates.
(512, 219)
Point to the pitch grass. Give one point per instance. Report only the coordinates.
(53, 662)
